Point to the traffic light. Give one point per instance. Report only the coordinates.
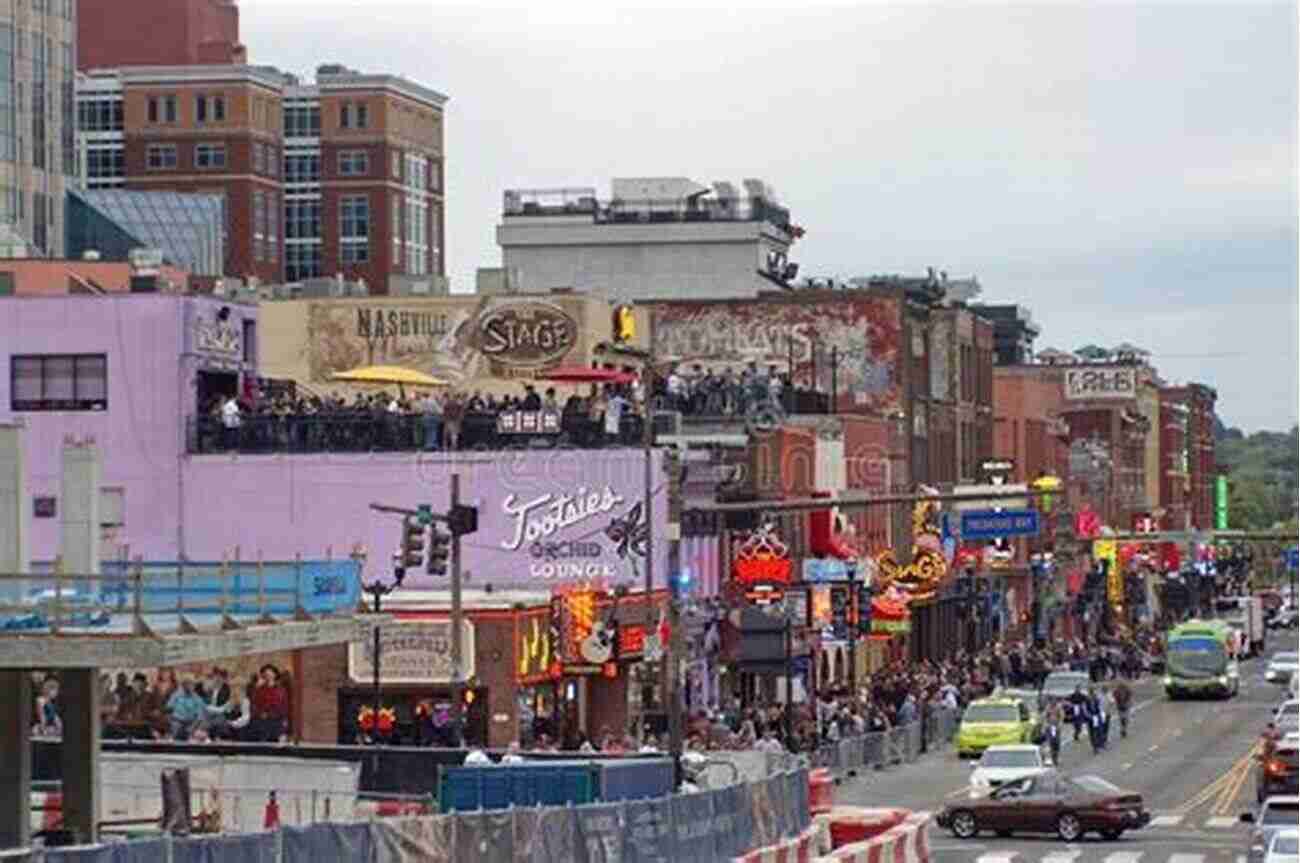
(412, 541)
(462, 520)
(624, 324)
(439, 552)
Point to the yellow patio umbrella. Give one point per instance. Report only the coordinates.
(399, 375)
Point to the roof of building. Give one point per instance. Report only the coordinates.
(184, 226)
(41, 277)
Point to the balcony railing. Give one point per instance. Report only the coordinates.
(620, 211)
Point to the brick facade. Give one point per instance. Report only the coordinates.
(180, 33)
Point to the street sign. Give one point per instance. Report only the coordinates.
(1293, 559)
(993, 524)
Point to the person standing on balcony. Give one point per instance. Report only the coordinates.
(431, 418)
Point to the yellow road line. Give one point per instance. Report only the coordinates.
(1230, 781)
(1229, 794)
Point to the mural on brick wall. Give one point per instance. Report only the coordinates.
(479, 337)
(865, 331)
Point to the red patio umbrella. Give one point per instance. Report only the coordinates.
(586, 375)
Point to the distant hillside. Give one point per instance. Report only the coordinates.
(1263, 475)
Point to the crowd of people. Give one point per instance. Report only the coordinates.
(167, 706)
(587, 416)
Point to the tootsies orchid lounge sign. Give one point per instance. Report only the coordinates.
(561, 517)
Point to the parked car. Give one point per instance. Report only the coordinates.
(1277, 774)
(1271, 816)
(1049, 803)
(1290, 709)
(1285, 847)
(1002, 764)
(1281, 667)
(994, 721)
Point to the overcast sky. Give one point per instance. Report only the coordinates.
(1128, 172)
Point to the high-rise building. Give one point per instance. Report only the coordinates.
(37, 124)
(340, 176)
(180, 33)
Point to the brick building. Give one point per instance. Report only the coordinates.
(1028, 427)
(1188, 454)
(180, 33)
(340, 176)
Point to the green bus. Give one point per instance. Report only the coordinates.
(1197, 661)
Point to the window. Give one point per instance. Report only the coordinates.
(161, 157)
(153, 110)
(209, 155)
(219, 108)
(169, 109)
(273, 227)
(200, 109)
(302, 167)
(397, 165)
(272, 160)
(58, 382)
(395, 226)
(104, 164)
(345, 115)
(363, 115)
(259, 226)
(302, 261)
(302, 220)
(435, 175)
(354, 229)
(259, 157)
(302, 121)
(100, 115)
(354, 163)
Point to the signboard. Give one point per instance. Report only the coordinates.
(1000, 468)
(999, 496)
(1101, 383)
(534, 650)
(412, 651)
(1220, 503)
(820, 570)
(990, 524)
(526, 333)
(762, 558)
(528, 422)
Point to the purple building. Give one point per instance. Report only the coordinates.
(132, 370)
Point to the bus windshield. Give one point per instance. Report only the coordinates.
(1196, 653)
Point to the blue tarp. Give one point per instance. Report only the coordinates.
(693, 827)
(248, 848)
(321, 842)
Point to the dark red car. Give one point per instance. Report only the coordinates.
(1068, 806)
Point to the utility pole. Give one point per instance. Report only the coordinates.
(457, 661)
(676, 638)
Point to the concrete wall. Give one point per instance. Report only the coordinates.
(632, 270)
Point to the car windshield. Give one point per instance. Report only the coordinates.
(1278, 814)
(1287, 845)
(1286, 658)
(1095, 785)
(1291, 708)
(1010, 758)
(991, 713)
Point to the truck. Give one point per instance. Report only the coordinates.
(1245, 614)
(1198, 662)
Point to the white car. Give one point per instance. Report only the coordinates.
(1281, 667)
(1001, 764)
(1288, 713)
(1284, 847)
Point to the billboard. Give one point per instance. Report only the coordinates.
(1107, 382)
(861, 333)
(545, 517)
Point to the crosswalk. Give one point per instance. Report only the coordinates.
(1167, 820)
(1079, 856)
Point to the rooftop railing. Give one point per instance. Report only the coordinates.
(649, 211)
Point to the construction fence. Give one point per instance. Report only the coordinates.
(900, 745)
(703, 827)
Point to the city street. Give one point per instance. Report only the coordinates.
(1188, 759)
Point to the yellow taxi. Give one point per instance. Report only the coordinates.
(993, 722)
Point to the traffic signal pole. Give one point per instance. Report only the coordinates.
(457, 660)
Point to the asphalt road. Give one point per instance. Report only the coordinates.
(1189, 760)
